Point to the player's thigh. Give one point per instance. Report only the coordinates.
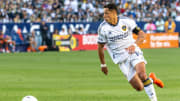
(136, 83)
(140, 67)
(127, 70)
(141, 70)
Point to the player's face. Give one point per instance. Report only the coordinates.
(108, 15)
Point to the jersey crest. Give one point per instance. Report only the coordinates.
(124, 28)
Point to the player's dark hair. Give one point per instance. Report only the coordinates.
(111, 6)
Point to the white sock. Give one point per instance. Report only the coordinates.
(150, 91)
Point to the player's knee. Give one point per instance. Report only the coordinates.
(142, 76)
(140, 88)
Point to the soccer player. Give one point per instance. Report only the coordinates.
(6, 42)
(116, 33)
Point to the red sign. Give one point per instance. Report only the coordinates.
(86, 42)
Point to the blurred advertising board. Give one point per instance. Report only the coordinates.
(89, 41)
(161, 40)
(75, 42)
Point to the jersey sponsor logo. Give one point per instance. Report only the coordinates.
(118, 37)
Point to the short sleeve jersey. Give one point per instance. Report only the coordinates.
(117, 37)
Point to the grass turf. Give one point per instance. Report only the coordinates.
(76, 76)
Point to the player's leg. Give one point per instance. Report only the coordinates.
(129, 70)
(1, 45)
(14, 46)
(136, 83)
(130, 73)
(6, 46)
(141, 71)
(148, 84)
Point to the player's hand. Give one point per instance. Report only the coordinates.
(104, 70)
(131, 49)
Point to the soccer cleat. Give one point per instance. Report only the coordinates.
(156, 81)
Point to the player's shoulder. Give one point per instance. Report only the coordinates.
(128, 21)
(102, 26)
(125, 19)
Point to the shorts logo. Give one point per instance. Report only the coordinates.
(124, 28)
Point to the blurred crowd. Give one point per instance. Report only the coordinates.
(85, 10)
(157, 15)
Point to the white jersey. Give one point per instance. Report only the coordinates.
(117, 37)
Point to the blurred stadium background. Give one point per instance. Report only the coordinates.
(30, 27)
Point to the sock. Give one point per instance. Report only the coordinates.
(149, 89)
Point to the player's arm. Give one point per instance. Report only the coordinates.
(139, 41)
(141, 35)
(102, 40)
(101, 58)
(101, 53)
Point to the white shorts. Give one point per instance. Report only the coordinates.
(127, 66)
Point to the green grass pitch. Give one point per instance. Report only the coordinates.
(76, 76)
